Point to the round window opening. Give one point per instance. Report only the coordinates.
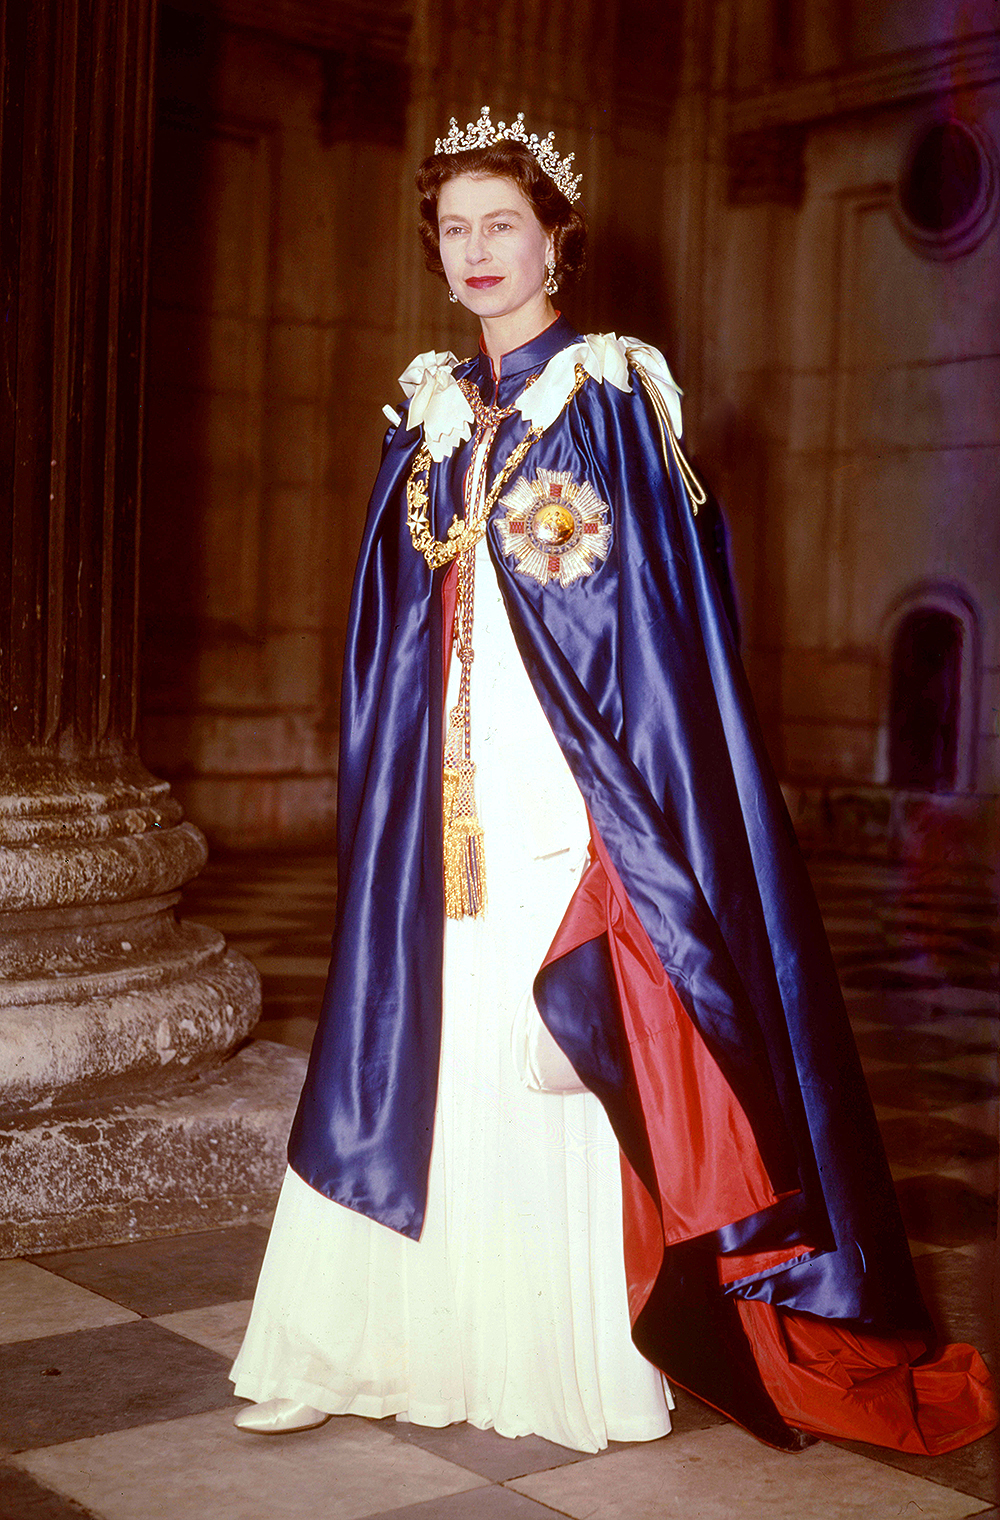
(948, 192)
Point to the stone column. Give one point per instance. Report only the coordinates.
(123, 1111)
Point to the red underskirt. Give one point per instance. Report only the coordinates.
(822, 1376)
(834, 1382)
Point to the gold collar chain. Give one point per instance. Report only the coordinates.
(465, 534)
(487, 416)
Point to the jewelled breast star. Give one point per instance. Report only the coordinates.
(554, 528)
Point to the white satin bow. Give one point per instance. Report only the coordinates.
(436, 400)
(604, 356)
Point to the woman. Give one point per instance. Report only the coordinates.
(631, 1009)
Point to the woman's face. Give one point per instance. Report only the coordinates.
(493, 246)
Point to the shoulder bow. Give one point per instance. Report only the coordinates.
(436, 400)
(605, 357)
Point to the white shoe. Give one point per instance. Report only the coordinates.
(277, 1415)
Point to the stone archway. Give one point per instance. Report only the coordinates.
(929, 698)
(924, 707)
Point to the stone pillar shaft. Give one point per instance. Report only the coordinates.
(74, 172)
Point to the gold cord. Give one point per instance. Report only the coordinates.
(695, 489)
(464, 857)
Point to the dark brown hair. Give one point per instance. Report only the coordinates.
(511, 160)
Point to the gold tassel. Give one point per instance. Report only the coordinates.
(464, 856)
(464, 853)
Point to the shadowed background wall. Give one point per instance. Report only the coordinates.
(797, 202)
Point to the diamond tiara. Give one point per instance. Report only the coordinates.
(483, 134)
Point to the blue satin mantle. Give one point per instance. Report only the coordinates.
(637, 670)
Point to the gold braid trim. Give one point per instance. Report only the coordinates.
(668, 437)
(463, 535)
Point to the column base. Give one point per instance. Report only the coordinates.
(204, 1157)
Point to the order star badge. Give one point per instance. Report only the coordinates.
(554, 527)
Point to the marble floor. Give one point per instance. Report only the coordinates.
(114, 1399)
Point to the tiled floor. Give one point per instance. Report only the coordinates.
(114, 1400)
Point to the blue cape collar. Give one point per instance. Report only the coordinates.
(520, 362)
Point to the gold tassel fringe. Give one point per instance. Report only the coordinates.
(464, 856)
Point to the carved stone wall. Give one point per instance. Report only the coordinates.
(274, 267)
(853, 400)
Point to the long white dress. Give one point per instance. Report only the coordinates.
(511, 1310)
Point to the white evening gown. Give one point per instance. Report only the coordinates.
(511, 1310)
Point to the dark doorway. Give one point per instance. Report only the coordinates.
(926, 677)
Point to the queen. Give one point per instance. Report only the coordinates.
(583, 1115)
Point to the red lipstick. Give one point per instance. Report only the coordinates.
(484, 281)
